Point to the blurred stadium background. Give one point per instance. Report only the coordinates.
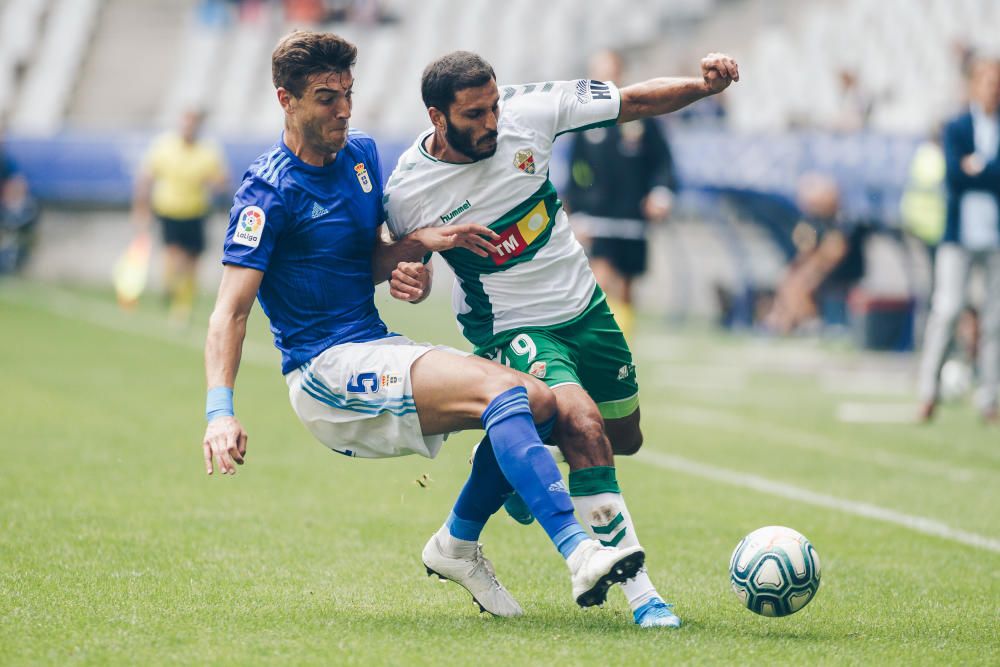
(84, 85)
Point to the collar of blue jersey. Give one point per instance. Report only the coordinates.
(304, 165)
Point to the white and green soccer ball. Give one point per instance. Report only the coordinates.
(774, 571)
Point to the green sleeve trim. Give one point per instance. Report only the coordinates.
(603, 123)
(427, 257)
(591, 481)
(620, 408)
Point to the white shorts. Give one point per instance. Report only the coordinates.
(357, 398)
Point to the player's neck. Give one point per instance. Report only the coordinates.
(303, 151)
(437, 147)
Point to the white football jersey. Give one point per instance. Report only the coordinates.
(540, 277)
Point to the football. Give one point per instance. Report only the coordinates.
(956, 380)
(774, 571)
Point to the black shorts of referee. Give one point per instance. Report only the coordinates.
(627, 256)
(187, 233)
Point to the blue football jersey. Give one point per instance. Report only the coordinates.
(311, 230)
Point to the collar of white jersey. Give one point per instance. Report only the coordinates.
(423, 151)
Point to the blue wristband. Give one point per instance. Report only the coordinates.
(219, 403)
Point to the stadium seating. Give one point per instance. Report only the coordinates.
(19, 29)
(43, 98)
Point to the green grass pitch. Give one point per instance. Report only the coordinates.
(115, 548)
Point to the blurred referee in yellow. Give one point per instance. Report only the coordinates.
(178, 178)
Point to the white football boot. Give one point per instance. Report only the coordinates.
(473, 571)
(595, 568)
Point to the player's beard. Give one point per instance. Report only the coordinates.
(464, 143)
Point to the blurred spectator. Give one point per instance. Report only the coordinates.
(856, 105)
(923, 205)
(305, 12)
(18, 217)
(829, 261)
(622, 178)
(179, 175)
(972, 237)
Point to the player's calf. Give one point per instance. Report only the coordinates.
(581, 437)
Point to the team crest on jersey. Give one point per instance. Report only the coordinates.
(525, 161)
(537, 369)
(249, 226)
(363, 179)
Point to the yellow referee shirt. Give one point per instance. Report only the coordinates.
(183, 176)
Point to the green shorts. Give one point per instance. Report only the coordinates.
(589, 351)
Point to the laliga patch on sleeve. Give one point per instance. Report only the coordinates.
(250, 226)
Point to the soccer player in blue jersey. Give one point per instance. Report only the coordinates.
(304, 239)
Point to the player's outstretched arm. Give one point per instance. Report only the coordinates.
(412, 247)
(656, 97)
(411, 281)
(225, 439)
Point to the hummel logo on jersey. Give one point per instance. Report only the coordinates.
(558, 487)
(318, 211)
(462, 208)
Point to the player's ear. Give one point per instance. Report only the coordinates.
(438, 118)
(285, 99)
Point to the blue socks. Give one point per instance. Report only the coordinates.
(529, 467)
(482, 495)
(512, 457)
(485, 491)
(568, 539)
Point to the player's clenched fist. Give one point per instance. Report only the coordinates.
(410, 281)
(719, 70)
(225, 442)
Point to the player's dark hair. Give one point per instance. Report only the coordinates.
(301, 53)
(451, 73)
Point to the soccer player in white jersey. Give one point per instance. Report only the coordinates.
(303, 239)
(534, 304)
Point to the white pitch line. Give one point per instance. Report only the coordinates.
(782, 490)
(810, 441)
(877, 413)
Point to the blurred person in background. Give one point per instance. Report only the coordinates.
(179, 176)
(922, 208)
(971, 238)
(18, 216)
(856, 105)
(829, 261)
(622, 178)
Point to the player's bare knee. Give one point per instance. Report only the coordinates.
(498, 380)
(628, 444)
(542, 399)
